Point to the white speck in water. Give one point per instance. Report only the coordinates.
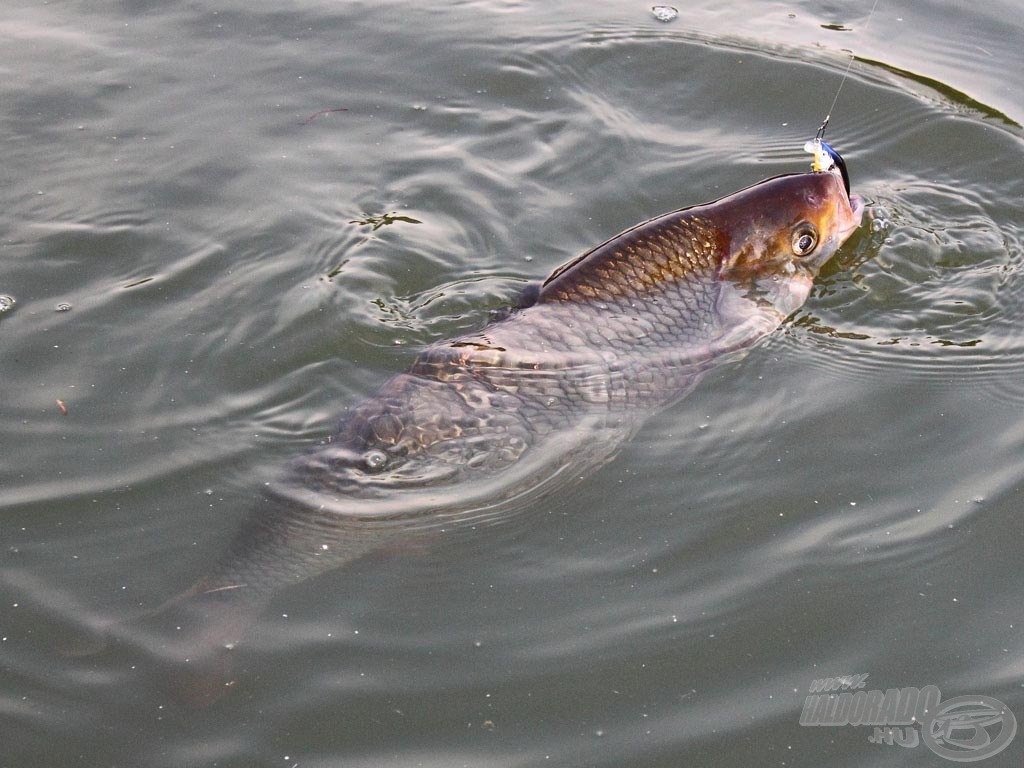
(664, 13)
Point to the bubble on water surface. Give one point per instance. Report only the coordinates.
(879, 218)
(664, 12)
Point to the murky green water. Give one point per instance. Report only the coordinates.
(176, 236)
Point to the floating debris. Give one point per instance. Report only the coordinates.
(6, 303)
(223, 589)
(62, 408)
(337, 270)
(321, 113)
(383, 219)
(63, 307)
(664, 13)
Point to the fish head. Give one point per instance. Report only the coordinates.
(778, 234)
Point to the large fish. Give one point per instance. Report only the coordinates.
(489, 422)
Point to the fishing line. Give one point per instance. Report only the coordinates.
(828, 116)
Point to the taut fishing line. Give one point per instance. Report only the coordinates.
(828, 116)
(826, 158)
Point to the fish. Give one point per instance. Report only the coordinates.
(490, 423)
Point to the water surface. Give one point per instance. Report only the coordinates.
(177, 238)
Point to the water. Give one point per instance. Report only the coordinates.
(845, 500)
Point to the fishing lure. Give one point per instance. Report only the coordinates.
(826, 158)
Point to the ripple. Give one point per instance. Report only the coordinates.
(225, 311)
(933, 293)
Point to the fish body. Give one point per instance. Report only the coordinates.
(488, 422)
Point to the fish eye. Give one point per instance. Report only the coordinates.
(805, 239)
(374, 461)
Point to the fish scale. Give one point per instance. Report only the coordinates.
(490, 422)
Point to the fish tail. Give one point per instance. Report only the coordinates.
(192, 639)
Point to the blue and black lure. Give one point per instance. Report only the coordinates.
(826, 158)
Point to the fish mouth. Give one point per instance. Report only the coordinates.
(857, 207)
(847, 220)
(856, 202)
